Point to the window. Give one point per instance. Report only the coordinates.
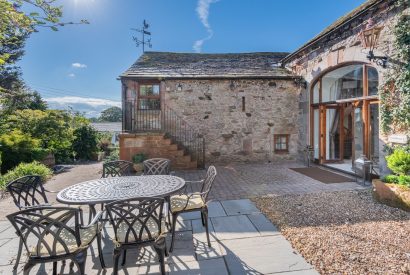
(149, 97)
(281, 143)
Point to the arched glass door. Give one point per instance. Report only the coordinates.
(344, 115)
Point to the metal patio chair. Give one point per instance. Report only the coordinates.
(52, 234)
(117, 168)
(137, 222)
(157, 166)
(28, 191)
(196, 201)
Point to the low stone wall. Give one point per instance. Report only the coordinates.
(154, 145)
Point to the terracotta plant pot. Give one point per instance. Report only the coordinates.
(138, 167)
(392, 194)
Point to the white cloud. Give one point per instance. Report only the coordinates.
(79, 65)
(202, 9)
(71, 75)
(92, 107)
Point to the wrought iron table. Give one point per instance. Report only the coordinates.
(106, 190)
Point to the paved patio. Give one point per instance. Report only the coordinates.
(243, 240)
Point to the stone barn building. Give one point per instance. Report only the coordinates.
(194, 108)
(245, 106)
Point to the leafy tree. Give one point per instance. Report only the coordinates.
(51, 127)
(17, 147)
(112, 114)
(22, 100)
(85, 142)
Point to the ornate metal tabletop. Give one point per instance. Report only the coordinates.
(110, 189)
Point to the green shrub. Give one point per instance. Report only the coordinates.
(85, 142)
(114, 155)
(17, 147)
(399, 162)
(24, 169)
(401, 179)
(139, 158)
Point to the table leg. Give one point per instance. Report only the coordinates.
(92, 213)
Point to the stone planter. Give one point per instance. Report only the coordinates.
(392, 194)
(138, 167)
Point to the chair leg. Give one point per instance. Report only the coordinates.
(202, 219)
(160, 249)
(54, 268)
(81, 262)
(18, 254)
(166, 249)
(100, 253)
(205, 214)
(27, 267)
(168, 199)
(124, 257)
(116, 256)
(174, 221)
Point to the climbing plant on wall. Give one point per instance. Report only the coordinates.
(395, 91)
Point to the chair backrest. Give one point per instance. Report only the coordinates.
(48, 231)
(157, 166)
(136, 220)
(208, 182)
(116, 168)
(27, 191)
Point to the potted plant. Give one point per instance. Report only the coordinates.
(394, 189)
(138, 159)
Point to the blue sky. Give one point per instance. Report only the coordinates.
(79, 65)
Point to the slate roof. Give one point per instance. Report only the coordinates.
(204, 65)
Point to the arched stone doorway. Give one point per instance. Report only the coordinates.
(344, 115)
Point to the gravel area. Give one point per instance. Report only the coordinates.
(345, 232)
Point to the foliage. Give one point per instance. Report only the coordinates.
(17, 147)
(139, 158)
(401, 180)
(399, 162)
(22, 100)
(51, 127)
(114, 155)
(112, 114)
(16, 25)
(24, 169)
(85, 142)
(395, 91)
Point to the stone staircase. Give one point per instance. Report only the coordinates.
(155, 145)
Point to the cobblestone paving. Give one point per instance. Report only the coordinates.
(236, 181)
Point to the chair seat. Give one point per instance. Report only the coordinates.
(86, 236)
(179, 202)
(152, 228)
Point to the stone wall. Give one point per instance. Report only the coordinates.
(238, 117)
(343, 47)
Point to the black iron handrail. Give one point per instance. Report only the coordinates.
(166, 120)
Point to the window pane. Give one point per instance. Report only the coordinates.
(343, 83)
(149, 90)
(316, 92)
(373, 78)
(149, 104)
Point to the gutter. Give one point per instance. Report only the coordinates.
(287, 58)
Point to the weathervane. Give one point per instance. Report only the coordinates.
(144, 32)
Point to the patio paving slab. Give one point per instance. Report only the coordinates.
(238, 207)
(262, 255)
(234, 227)
(263, 225)
(211, 267)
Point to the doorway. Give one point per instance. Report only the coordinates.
(344, 118)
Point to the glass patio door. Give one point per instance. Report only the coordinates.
(331, 133)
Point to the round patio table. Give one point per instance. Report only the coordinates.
(107, 190)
